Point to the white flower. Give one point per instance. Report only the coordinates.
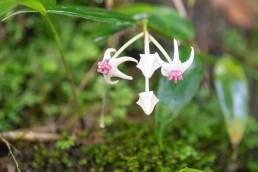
(148, 64)
(147, 101)
(109, 66)
(174, 70)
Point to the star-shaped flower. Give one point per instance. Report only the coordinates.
(148, 64)
(109, 66)
(174, 70)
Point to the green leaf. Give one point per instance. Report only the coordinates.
(35, 5)
(99, 33)
(190, 170)
(6, 6)
(48, 3)
(163, 20)
(174, 96)
(232, 90)
(90, 13)
(172, 24)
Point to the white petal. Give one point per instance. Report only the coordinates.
(188, 63)
(148, 64)
(109, 81)
(107, 54)
(118, 61)
(176, 53)
(165, 67)
(117, 73)
(147, 101)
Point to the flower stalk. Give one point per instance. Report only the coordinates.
(146, 50)
(161, 49)
(148, 65)
(128, 43)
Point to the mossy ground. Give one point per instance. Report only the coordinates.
(133, 147)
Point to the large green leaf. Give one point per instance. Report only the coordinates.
(90, 13)
(232, 90)
(163, 20)
(174, 96)
(173, 25)
(99, 33)
(6, 6)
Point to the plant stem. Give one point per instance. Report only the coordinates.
(156, 43)
(147, 84)
(146, 49)
(159, 138)
(146, 37)
(62, 55)
(127, 44)
(145, 25)
(103, 107)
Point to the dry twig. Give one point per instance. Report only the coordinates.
(30, 136)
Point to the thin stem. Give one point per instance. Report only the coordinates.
(146, 50)
(145, 25)
(146, 43)
(62, 54)
(147, 84)
(102, 113)
(127, 44)
(146, 36)
(156, 43)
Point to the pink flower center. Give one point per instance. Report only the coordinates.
(104, 67)
(175, 75)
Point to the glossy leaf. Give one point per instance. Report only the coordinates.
(172, 24)
(163, 20)
(174, 96)
(6, 6)
(90, 13)
(232, 90)
(99, 33)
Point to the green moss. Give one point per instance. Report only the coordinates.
(127, 147)
(197, 139)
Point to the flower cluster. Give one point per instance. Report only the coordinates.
(148, 64)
